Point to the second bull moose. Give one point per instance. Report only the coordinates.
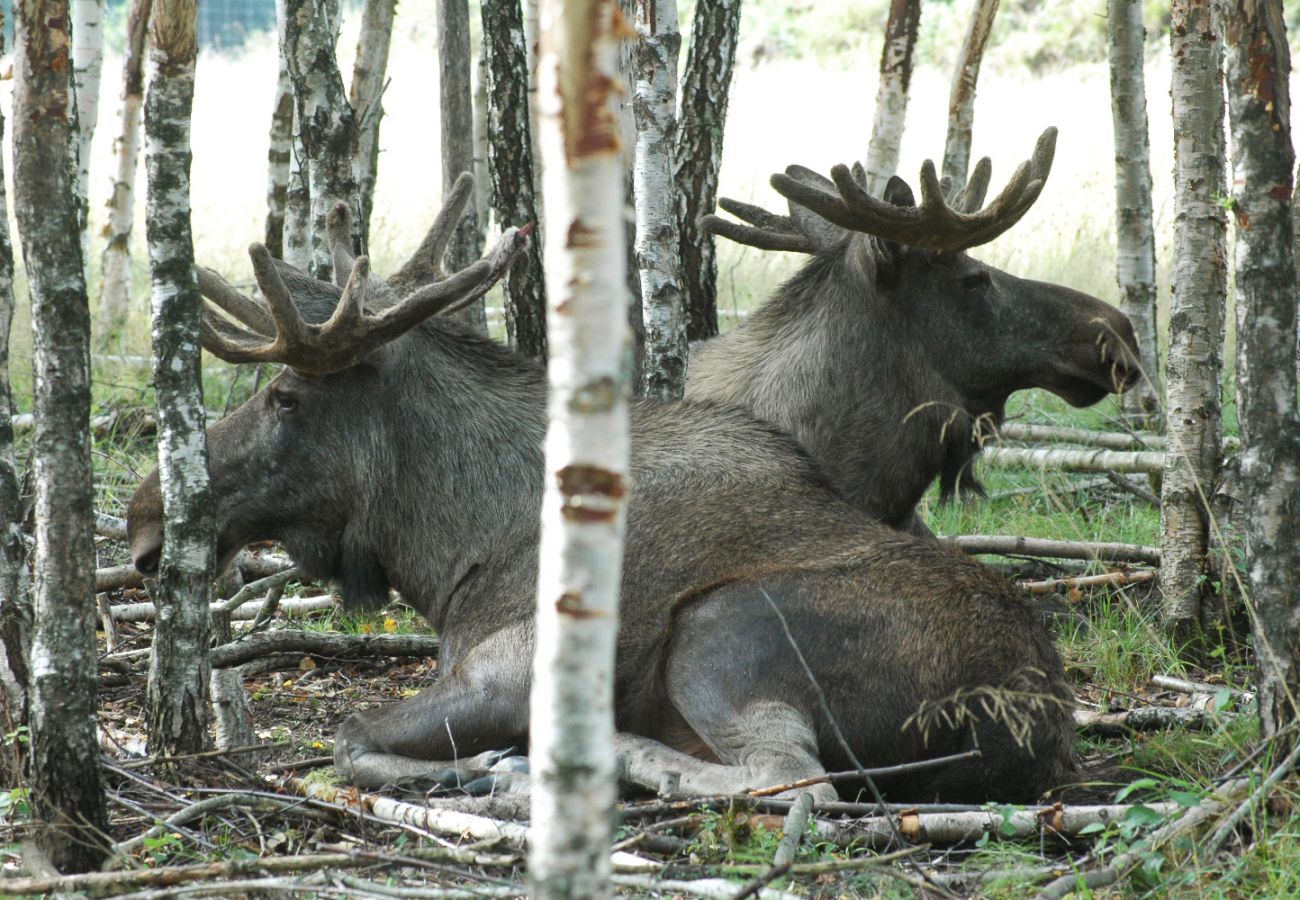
(890, 356)
(401, 451)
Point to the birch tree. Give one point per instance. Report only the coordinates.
(278, 158)
(657, 254)
(87, 63)
(15, 603)
(891, 92)
(115, 262)
(1134, 230)
(706, 87)
(366, 97)
(1192, 404)
(67, 794)
(961, 98)
(326, 124)
(179, 669)
(584, 506)
(1258, 71)
(510, 165)
(296, 236)
(457, 128)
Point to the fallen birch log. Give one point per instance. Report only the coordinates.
(110, 526)
(1007, 823)
(1110, 440)
(1108, 579)
(1146, 718)
(1199, 687)
(293, 608)
(1144, 462)
(1010, 545)
(115, 577)
(265, 643)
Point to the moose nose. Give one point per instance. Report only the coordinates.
(147, 562)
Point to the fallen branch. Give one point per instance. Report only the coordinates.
(1129, 486)
(1010, 545)
(116, 577)
(1198, 687)
(858, 774)
(1058, 490)
(709, 888)
(1144, 462)
(1257, 796)
(1111, 440)
(253, 646)
(110, 526)
(1146, 718)
(292, 608)
(1108, 579)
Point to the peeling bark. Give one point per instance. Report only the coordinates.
(657, 247)
(510, 162)
(1192, 404)
(1135, 242)
(87, 63)
(297, 194)
(891, 92)
(584, 505)
(457, 129)
(326, 124)
(365, 96)
(961, 99)
(115, 262)
(278, 159)
(482, 180)
(706, 88)
(1258, 69)
(67, 795)
(179, 667)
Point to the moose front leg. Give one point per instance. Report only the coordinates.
(460, 722)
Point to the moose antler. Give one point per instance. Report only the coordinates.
(277, 333)
(934, 224)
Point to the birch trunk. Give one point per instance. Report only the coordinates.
(278, 162)
(961, 99)
(87, 63)
(15, 600)
(1195, 315)
(67, 795)
(891, 93)
(179, 669)
(1134, 232)
(706, 86)
(510, 163)
(297, 194)
(326, 124)
(657, 254)
(115, 262)
(1258, 69)
(482, 180)
(457, 128)
(366, 96)
(572, 722)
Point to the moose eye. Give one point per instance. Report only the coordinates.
(284, 402)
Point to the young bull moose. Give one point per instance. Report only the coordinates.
(396, 452)
(890, 356)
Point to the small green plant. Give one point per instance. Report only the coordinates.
(162, 848)
(15, 805)
(19, 737)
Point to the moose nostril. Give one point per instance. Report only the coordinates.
(147, 563)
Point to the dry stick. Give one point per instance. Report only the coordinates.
(252, 589)
(202, 754)
(1144, 462)
(1109, 579)
(1124, 862)
(1111, 440)
(424, 893)
(110, 526)
(1198, 687)
(292, 607)
(200, 809)
(1010, 545)
(796, 823)
(254, 646)
(1058, 490)
(1146, 718)
(709, 888)
(1229, 825)
(106, 619)
(858, 774)
(1130, 487)
(114, 577)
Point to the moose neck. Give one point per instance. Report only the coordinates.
(835, 366)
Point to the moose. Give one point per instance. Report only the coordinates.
(891, 354)
(398, 449)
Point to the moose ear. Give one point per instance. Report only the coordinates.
(898, 193)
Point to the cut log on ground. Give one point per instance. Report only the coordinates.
(1146, 462)
(1010, 545)
(1146, 718)
(1110, 440)
(324, 645)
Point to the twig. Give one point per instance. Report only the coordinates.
(328, 645)
(1010, 545)
(1143, 462)
(792, 830)
(200, 809)
(106, 619)
(1146, 718)
(298, 765)
(1197, 687)
(860, 774)
(1073, 487)
(252, 589)
(756, 886)
(1130, 487)
(1108, 579)
(204, 754)
(709, 888)
(1112, 440)
(1229, 825)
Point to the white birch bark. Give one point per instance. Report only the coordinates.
(1258, 68)
(1135, 243)
(891, 93)
(1192, 405)
(278, 158)
(326, 124)
(482, 180)
(365, 96)
(115, 261)
(297, 195)
(67, 795)
(87, 63)
(663, 306)
(583, 510)
(179, 669)
(961, 98)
